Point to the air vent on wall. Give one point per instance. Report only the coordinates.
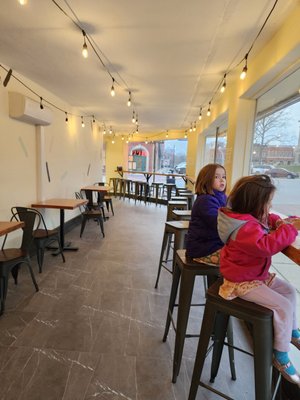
(27, 110)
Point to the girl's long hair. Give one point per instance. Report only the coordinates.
(250, 195)
(205, 179)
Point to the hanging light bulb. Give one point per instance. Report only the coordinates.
(113, 140)
(85, 52)
(223, 87)
(112, 90)
(104, 131)
(191, 128)
(146, 141)
(245, 69)
(194, 127)
(94, 119)
(41, 103)
(129, 99)
(23, 2)
(122, 137)
(208, 110)
(200, 114)
(127, 140)
(136, 119)
(185, 134)
(137, 129)
(82, 122)
(66, 119)
(133, 117)
(110, 130)
(167, 134)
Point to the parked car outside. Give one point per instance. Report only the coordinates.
(281, 173)
(260, 168)
(181, 168)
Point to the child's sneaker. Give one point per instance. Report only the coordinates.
(283, 369)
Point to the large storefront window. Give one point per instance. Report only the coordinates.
(276, 152)
(215, 149)
(164, 157)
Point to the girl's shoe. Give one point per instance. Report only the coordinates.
(296, 342)
(282, 368)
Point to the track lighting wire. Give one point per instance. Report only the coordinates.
(230, 68)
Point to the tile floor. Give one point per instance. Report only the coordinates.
(94, 330)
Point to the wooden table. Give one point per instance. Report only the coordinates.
(9, 226)
(62, 205)
(97, 188)
(293, 251)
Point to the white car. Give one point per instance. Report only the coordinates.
(260, 168)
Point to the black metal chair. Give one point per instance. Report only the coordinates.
(43, 237)
(88, 213)
(105, 198)
(12, 258)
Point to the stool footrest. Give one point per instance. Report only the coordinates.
(211, 389)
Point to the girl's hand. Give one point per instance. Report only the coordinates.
(296, 223)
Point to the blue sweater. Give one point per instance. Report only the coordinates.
(202, 237)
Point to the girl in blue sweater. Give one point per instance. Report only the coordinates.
(202, 238)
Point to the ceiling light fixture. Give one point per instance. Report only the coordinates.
(223, 87)
(122, 137)
(129, 99)
(200, 114)
(245, 69)
(85, 52)
(94, 119)
(23, 2)
(110, 130)
(136, 119)
(146, 141)
(185, 134)
(208, 110)
(82, 122)
(191, 128)
(112, 90)
(133, 117)
(41, 103)
(66, 119)
(167, 134)
(137, 129)
(195, 126)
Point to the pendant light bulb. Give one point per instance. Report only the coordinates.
(223, 87)
(122, 137)
(245, 69)
(133, 117)
(23, 2)
(200, 114)
(41, 103)
(185, 135)
(112, 90)
(66, 119)
(208, 110)
(82, 122)
(194, 127)
(129, 100)
(136, 119)
(85, 52)
(146, 141)
(191, 128)
(110, 130)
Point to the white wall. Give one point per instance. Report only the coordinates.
(69, 149)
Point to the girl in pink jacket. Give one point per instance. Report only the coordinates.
(251, 236)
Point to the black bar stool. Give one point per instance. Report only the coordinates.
(215, 319)
(179, 230)
(185, 270)
(157, 187)
(175, 205)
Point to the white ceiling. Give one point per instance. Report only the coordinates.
(171, 54)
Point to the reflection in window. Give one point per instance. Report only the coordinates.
(215, 150)
(276, 152)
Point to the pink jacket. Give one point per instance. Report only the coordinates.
(249, 245)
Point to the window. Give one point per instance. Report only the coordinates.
(215, 154)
